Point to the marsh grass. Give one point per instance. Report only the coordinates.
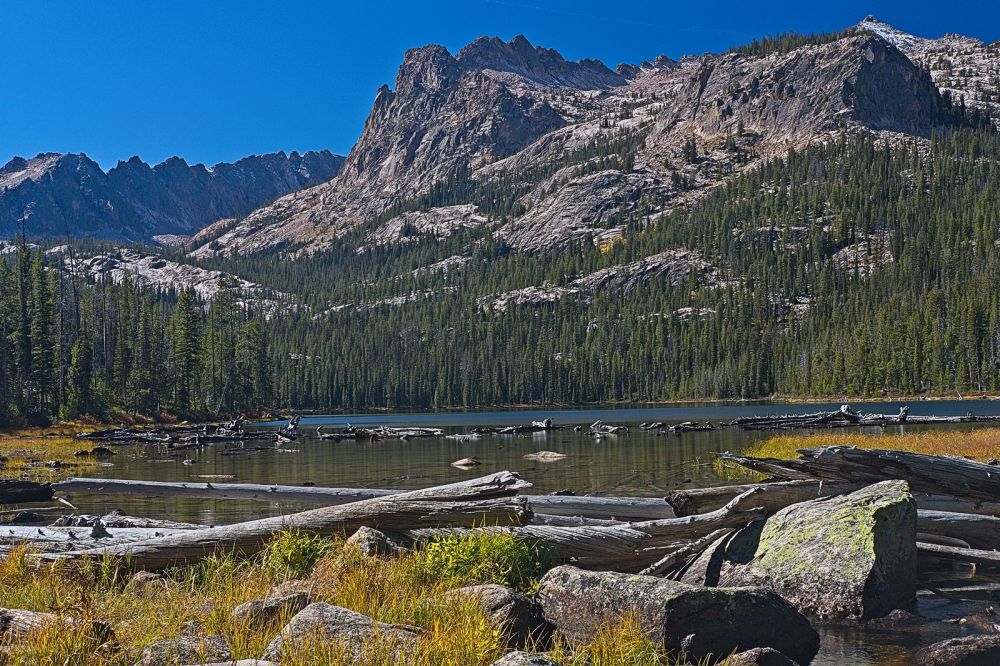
(409, 589)
(979, 443)
(27, 454)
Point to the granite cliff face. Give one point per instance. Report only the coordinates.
(60, 195)
(582, 142)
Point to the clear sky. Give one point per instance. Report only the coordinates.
(214, 80)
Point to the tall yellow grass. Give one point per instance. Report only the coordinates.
(979, 444)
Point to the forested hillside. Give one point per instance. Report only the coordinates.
(802, 216)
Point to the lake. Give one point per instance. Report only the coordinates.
(638, 463)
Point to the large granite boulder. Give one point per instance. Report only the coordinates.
(516, 615)
(980, 650)
(375, 543)
(333, 624)
(698, 622)
(847, 557)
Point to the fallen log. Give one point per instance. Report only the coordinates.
(65, 539)
(978, 531)
(13, 491)
(929, 474)
(17, 624)
(701, 500)
(682, 555)
(987, 558)
(604, 508)
(484, 501)
(628, 547)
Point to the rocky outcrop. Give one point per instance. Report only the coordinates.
(60, 195)
(518, 617)
(697, 622)
(415, 225)
(966, 651)
(328, 624)
(843, 557)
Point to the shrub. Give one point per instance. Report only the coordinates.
(294, 554)
(487, 556)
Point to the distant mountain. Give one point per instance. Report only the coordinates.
(519, 118)
(60, 195)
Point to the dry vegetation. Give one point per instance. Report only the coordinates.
(40, 455)
(407, 589)
(981, 444)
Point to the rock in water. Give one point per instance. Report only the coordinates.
(693, 621)
(965, 651)
(518, 617)
(759, 657)
(321, 622)
(845, 557)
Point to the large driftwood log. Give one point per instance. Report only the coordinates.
(484, 501)
(929, 474)
(604, 508)
(64, 539)
(17, 624)
(988, 558)
(628, 547)
(780, 494)
(978, 531)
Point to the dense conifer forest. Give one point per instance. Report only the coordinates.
(855, 267)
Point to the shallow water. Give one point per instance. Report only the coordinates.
(638, 463)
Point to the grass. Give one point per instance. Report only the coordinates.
(406, 589)
(980, 444)
(43, 455)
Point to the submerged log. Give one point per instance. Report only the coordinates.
(484, 501)
(978, 531)
(13, 491)
(604, 508)
(928, 474)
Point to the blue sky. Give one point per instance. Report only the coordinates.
(216, 80)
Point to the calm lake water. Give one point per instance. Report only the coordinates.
(638, 463)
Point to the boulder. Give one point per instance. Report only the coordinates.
(374, 543)
(519, 617)
(981, 650)
(847, 557)
(895, 620)
(685, 619)
(327, 623)
(523, 659)
(759, 657)
(307, 587)
(266, 612)
(185, 650)
(143, 581)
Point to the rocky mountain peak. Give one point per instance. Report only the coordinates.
(540, 65)
(427, 69)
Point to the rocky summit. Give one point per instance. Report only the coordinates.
(69, 195)
(585, 142)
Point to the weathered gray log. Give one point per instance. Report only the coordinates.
(957, 505)
(682, 555)
(781, 494)
(64, 539)
(929, 474)
(978, 531)
(14, 491)
(988, 558)
(629, 547)
(16, 624)
(483, 501)
(605, 508)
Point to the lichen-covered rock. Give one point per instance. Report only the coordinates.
(374, 543)
(262, 613)
(523, 659)
(759, 657)
(333, 624)
(185, 650)
(981, 650)
(693, 621)
(519, 617)
(845, 557)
